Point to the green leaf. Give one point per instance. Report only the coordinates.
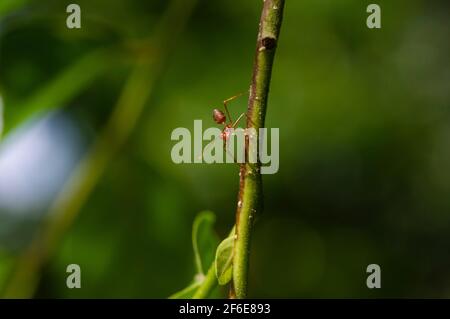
(186, 293)
(224, 261)
(204, 240)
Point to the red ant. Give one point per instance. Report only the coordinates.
(220, 118)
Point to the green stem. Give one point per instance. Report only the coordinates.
(250, 186)
(208, 284)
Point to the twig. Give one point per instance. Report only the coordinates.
(250, 185)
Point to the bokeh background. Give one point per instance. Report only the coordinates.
(87, 115)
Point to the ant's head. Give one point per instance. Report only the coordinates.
(219, 117)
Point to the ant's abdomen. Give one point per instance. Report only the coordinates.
(218, 116)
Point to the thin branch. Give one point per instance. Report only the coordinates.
(250, 186)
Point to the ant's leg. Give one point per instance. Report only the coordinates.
(233, 97)
(247, 135)
(225, 102)
(239, 118)
(237, 121)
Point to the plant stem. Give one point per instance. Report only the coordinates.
(208, 284)
(250, 184)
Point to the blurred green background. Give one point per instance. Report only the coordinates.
(364, 145)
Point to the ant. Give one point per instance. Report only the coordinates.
(220, 118)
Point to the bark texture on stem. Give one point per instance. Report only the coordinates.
(250, 184)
